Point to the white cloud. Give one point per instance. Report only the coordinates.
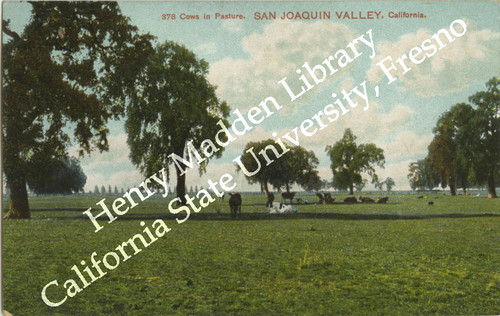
(274, 54)
(368, 126)
(406, 144)
(472, 57)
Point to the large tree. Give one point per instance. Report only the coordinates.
(296, 165)
(350, 160)
(486, 124)
(173, 104)
(69, 68)
(64, 176)
(450, 150)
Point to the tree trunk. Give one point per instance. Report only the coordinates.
(453, 186)
(464, 190)
(287, 187)
(181, 187)
(492, 193)
(19, 206)
(264, 187)
(351, 189)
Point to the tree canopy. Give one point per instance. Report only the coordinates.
(349, 160)
(297, 165)
(300, 168)
(69, 67)
(172, 104)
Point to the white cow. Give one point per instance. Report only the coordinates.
(279, 208)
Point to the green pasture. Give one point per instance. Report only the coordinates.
(404, 257)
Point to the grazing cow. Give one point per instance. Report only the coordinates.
(382, 200)
(350, 199)
(270, 199)
(329, 199)
(420, 197)
(321, 198)
(430, 203)
(366, 200)
(235, 205)
(287, 196)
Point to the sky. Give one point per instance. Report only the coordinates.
(249, 57)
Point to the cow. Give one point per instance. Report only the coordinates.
(430, 203)
(366, 200)
(329, 199)
(321, 198)
(221, 198)
(235, 205)
(350, 199)
(270, 200)
(280, 208)
(382, 200)
(287, 196)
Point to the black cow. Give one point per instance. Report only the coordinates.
(366, 200)
(270, 200)
(382, 200)
(321, 198)
(329, 199)
(235, 205)
(287, 196)
(350, 199)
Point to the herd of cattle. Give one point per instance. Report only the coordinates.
(325, 198)
(235, 201)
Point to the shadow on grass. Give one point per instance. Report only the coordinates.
(266, 216)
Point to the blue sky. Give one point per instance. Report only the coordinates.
(248, 58)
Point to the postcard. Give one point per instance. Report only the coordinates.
(247, 157)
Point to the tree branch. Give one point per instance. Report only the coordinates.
(10, 32)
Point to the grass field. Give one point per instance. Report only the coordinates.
(404, 257)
